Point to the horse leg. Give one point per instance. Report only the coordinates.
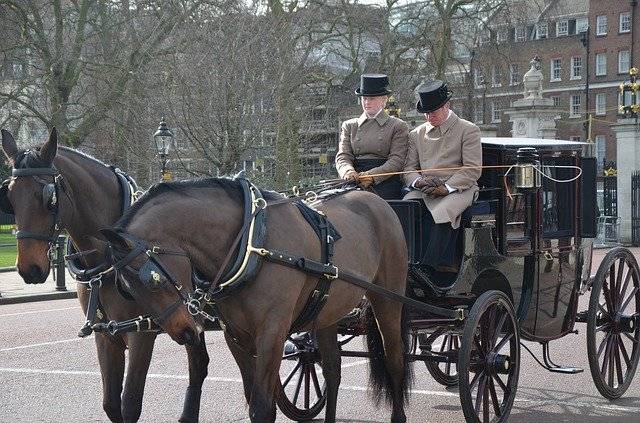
(198, 363)
(111, 358)
(140, 351)
(269, 343)
(245, 362)
(396, 381)
(331, 360)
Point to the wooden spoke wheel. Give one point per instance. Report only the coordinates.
(443, 343)
(301, 391)
(612, 323)
(489, 359)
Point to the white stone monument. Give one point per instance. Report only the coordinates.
(628, 161)
(533, 116)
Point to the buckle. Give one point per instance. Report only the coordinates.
(156, 250)
(334, 276)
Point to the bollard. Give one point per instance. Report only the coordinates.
(58, 263)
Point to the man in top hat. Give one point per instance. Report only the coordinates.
(375, 142)
(444, 141)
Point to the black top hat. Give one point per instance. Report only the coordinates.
(373, 84)
(432, 96)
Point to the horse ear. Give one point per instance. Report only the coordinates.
(9, 145)
(116, 239)
(50, 148)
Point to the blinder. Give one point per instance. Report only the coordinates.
(151, 276)
(5, 204)
(50, 197)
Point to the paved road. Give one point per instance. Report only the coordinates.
(47, 374)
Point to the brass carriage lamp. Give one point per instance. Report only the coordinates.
(527, 169)
(163, 138)
(632, 87)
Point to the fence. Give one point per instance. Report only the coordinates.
(610, 195)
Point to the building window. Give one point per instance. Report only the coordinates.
(576, 67)
(521, 34)
(625, 22)
(601, 64)
(601, 25)
(502, 35)
(496, 77)
(562, 28)
(556, 101)
(581, 25)
(496, 112)
(478, 114)
(574, 107)
(601, 150)
(556, 70)
(542, 30)
(514, 74)
(624, 61)
(601, 104)
(479, 78)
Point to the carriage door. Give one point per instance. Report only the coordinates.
(556, 250)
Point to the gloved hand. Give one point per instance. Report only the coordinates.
(439, 191)
(351, 176)
(427, 184)
(364, 180)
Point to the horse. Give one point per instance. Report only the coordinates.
(56, 188)
(195, 224)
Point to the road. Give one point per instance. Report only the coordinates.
(47, 374)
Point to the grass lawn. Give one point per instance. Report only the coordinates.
(7, 254)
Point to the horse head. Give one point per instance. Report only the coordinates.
(32, 195)
(158, 278)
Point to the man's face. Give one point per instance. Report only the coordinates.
(372, 105)
(438, 116)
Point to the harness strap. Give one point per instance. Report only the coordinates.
(168, 312)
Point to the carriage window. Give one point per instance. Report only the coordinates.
(517, 236)
(558, 199)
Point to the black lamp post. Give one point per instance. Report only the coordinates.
(163, 138)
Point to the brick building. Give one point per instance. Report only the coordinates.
(613, 48)
(579, 43)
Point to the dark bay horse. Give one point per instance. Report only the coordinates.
(196, 223)
(88, 198)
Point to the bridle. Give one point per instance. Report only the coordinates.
(50, 199)
(153, 273)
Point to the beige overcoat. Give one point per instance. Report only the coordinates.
(454, 143)
(383, 137)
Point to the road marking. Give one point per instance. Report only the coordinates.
(44, 344)
(38, 311)
(355, 363)
(580, 404)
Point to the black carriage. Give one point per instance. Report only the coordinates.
(526, 260)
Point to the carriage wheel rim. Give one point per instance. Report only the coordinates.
(613, 335)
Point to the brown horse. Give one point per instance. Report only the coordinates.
(196, 223)
(87, 198)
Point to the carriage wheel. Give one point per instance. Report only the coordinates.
(446, 343)
(301, 391)
(612, 323)
(489, 359)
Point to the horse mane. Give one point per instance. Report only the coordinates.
(30, 158)
(230, 186)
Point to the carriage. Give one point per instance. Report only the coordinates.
(526, 260)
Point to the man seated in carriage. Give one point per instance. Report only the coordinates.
(447, 142)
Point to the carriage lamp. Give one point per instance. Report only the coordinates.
(632, 87)
(527, 169)
(163, 138)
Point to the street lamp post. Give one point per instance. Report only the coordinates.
(163, 138)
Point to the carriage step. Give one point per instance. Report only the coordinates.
(565, 370)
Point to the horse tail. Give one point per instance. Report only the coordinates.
(380, 379)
